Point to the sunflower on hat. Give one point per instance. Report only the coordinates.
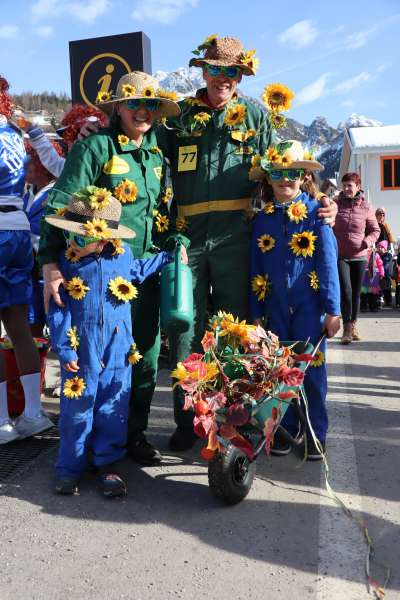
(288, 154)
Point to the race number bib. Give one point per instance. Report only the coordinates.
(187, 158)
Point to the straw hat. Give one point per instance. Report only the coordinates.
(79, 213)
(225, 52)
(289, 154)
(140, 85)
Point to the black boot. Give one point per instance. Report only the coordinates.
(144, 453)
(182, 439)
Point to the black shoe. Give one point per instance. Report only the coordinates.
(66, 486)
(182, 439)
(280, 446)
(111, 481)
(313, 452)
(144, 453)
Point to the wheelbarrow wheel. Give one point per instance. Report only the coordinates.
(230, 475)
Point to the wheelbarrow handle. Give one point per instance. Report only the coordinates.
(316, 348)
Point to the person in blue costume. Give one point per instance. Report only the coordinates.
(92, 335)
(294, 276)
(16, 261)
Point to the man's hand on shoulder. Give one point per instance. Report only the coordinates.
(328, 210)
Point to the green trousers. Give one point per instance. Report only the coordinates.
(146, 332)
(220, 273)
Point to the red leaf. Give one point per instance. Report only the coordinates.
(207, 454)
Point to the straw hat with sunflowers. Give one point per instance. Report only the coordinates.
(225, 52)
(284, 155)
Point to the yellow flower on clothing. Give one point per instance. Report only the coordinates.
(148, 92)
(99, 199)
(134, 355)
(269, 208)
(118, 247)
(181, 224)
(265, 242)
(161, 93)
(161, 223)
(277, 97)
(74, 388)
(128, 90)
(155, 150)
(60, 212)
(260, 286)
(103, 97)
(97, 228)
(297, 211)
(202, 117)
(167, 195)
(126, 191)
(122, 289)
(192, 101)
(71, 255)
(255, 160)
(123, 140)
(278, 121)
(302, 244)
(318, 359)
(235, 115)
(314, 281)
(73, 337)
(76, 288)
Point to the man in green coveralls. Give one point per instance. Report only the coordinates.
(126, 160)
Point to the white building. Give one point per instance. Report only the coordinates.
(374, 153)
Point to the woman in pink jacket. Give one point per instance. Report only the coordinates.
(356, 230)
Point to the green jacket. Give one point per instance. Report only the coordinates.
(210, 164)
(104, 161)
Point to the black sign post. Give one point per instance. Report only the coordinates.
(98, 63)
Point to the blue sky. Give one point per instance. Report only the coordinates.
(338, 56)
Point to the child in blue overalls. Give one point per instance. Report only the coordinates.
(294, 277)
(92, 335)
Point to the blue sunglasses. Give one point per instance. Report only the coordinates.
(229, 72)
(80, 240)
(150, 104)
(291, 174)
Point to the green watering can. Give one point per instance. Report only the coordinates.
(176, 306)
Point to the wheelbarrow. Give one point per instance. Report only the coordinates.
(231, 472)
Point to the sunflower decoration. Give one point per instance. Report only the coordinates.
(192, 101)
(269, 208)
(277, 97)
(97, 228)
(261, 286)
(71, 255)
(161, 93)
(128, 90)
(126, 191)
(286, 159)
(297, 211)
(167, 195)
(181, 224)
(76, 288)
(148, 92)
(255, 160)
(122, 289)
(265, 242)
(73, 337)
(118, 247)
(205, 44)
(202, 118)
(273, 155)
(99, 199)
(235, 115)
(123, 140)
(250, 60)
(314, 281)
(74, 388)
(162, 223)
(318, 359)
(134, 355)
(277, 121)
(155, 150)
(60, 212)
(103, 97)
(302, 244)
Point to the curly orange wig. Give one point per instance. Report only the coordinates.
(75, 118)
(6, 104)
(35, 160)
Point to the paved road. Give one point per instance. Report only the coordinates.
(171, 539)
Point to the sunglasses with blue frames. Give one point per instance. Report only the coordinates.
(229, 72)
(150, 104)
(291, 174)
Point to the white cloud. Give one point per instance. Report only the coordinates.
(348, 103)
(349, 84)
(87, 11)
(8, 31)
(359, 38)
(161, 11)
(313, 91)
(45, 32)
(299, 35)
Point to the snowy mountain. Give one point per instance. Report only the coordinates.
(324, 139)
